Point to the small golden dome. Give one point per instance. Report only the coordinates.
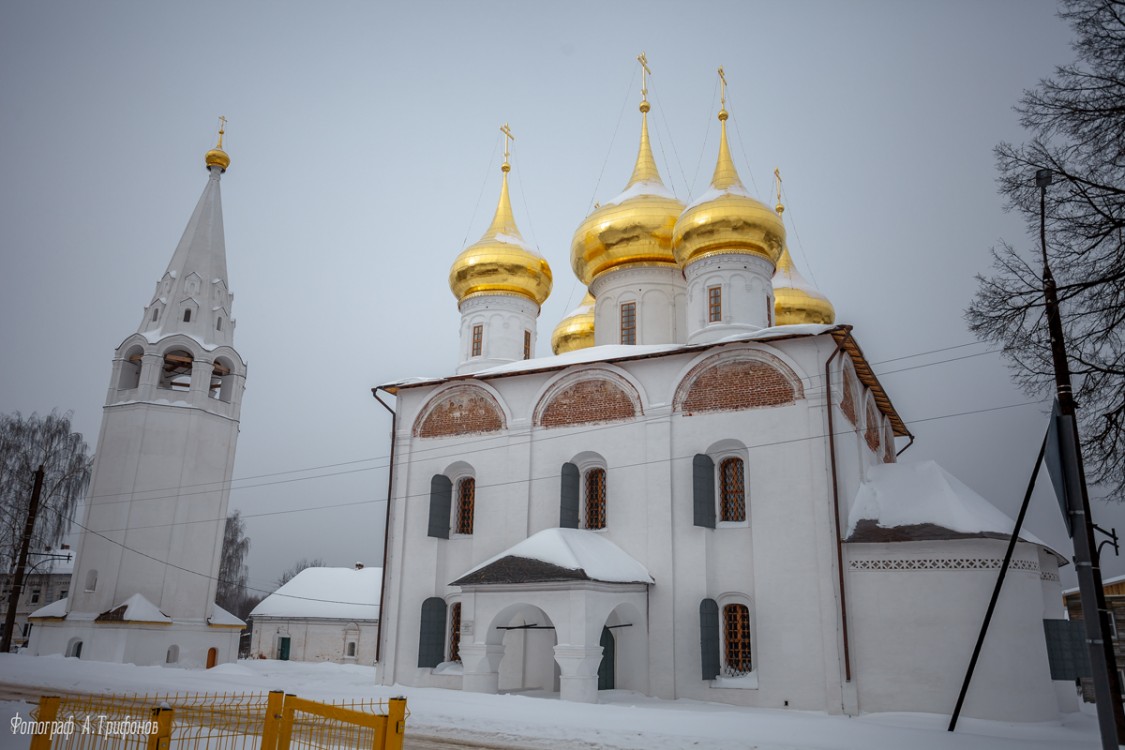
(635, 228)
(216, 157)
(576, 330)
(795, 301)
(725, 219)
(501, 262)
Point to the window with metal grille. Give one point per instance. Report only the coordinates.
(595, 498)
(455, 632)
(478, 339)
(732, 490)
(736, 641)
(527, 344)
(466, 498)
(714, 304)
(629, 323)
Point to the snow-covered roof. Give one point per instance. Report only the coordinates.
(326, 593)
(615, 352)
(220, 617)
(134, 609)
(915, 494)
(585, 552)
(56, 608)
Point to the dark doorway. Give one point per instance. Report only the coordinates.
(606, 670)
(283, 648)
(212, 657)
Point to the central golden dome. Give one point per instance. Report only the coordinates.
(635, 228)
(725, 219)
(576, 330)
(501, 262)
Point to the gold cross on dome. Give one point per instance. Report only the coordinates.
(777, 183)
(723, 93)
(645, 71)
(508, 138)
(222, 129)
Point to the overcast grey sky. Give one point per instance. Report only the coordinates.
(365, 151)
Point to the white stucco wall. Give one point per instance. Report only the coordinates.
(315, 639)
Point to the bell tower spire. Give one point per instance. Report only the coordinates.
(193, 297)
(157, 503)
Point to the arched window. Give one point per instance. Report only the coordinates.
(595, 498)
(219, 323)
(466, 499)
(732, 489)
(736, 641)
(155, 314)
(455, 632)
(350, 652)
(173, 655)
(74, 648)
(91, 580)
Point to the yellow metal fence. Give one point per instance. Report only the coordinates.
(219, 721)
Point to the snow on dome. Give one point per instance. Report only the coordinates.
(903, 494)
(577, 549)
(644, 187)
(326, 593)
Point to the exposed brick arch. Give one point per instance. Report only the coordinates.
(847, 399)
(871, 433)
(734, 381)
(463, 410)
(888, 443)
(587, 398)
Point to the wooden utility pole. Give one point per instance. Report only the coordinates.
(21, 565)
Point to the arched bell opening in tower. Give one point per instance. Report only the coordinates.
(176, 374)
(222, 381)
(130, 376)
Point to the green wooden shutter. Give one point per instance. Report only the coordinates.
(431, 633)
(709, 638)
(703, 490)
(441, 498)
(568, 505)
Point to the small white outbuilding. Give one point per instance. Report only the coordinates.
(322, 614)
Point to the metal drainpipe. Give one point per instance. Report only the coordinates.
(386, 524)
(836, 508)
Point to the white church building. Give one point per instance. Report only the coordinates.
(696, 497)
(143, 588)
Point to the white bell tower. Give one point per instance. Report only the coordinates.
(143, 589)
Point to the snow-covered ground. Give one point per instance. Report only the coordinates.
(622, 719)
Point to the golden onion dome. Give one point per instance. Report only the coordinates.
(576, 330)
(216, 157)
(725, 219)
(501, 262)
(796, 301)
(635, 228)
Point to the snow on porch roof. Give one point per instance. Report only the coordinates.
(326, 593)
(135, 609)
(924, 496)
(559, 554)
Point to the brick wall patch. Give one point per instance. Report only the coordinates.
(587, 401)
(732, 382)
(465, 410)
